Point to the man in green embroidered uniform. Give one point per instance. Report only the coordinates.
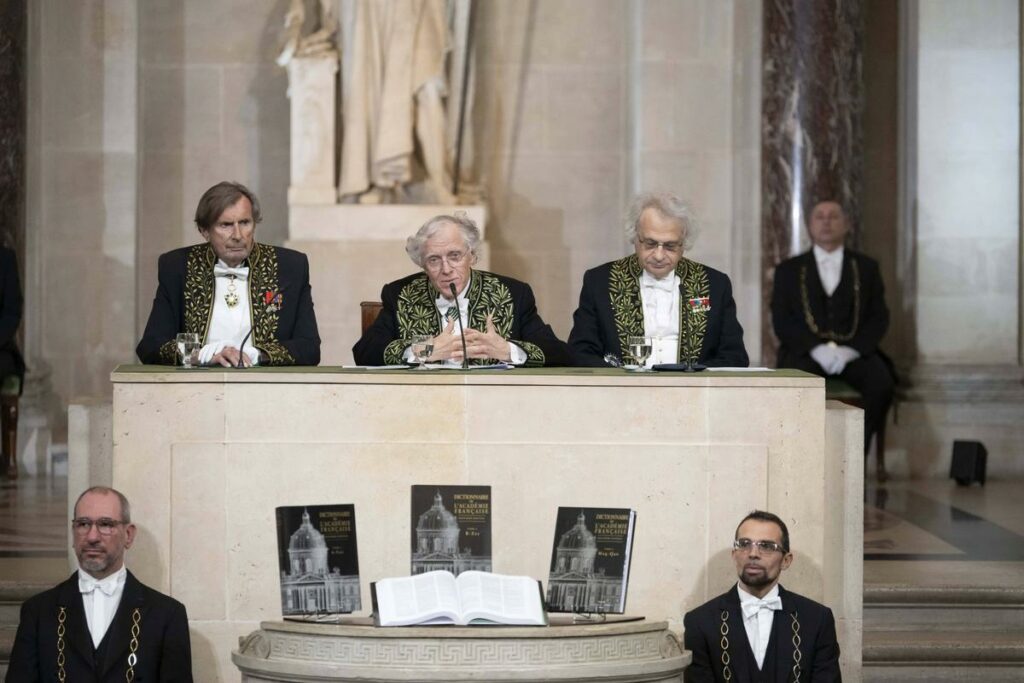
(829, 313)
(758, 630)
(685, 307)
(249, 303)
(101, 624)
(500, 315)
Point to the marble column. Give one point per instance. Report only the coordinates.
(811, 130)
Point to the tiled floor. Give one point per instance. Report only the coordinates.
(34, 526)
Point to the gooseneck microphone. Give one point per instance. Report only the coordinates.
(241, 349)
(462, 330)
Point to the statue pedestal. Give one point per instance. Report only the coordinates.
(311, 88)
(354, 250)
(358, 651)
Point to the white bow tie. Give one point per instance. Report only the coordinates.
(752, 607)
(87, 585)
(239, 272)
(667, 284)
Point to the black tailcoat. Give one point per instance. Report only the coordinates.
(164, 651)
(284, 329)
(819, 650)
(409, 309)
(611, 309)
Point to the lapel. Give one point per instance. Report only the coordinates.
(265, 297)
(841, 297)
(119, 634)
(741, 656)
(488, 295)
(76, 627)
(199, 289)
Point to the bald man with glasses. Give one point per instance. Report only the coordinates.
(684, 307)
(499, 314)
(101, 624)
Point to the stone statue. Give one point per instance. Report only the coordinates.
(319, 42)
(394, 117)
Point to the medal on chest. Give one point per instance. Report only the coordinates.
(231, 298)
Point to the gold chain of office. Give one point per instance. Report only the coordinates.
(809, 316)
(724, 645)
(133, 645)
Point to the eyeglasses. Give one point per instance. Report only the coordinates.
(453, 258)
(652, 245)
(104, 525)
(745, 545)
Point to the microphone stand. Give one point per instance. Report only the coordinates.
(462, 330)
(691, 360)
(241, 352)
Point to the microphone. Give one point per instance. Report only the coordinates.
(462, 331)
(691, 360)
(241, 352)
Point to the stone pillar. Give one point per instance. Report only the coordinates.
(312, 88)
(811, 141)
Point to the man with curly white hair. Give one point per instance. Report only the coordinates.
(685, 307)
(499, 314)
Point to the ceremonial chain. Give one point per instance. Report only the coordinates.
(133, 646)
(61, 617)
(809, 316)
(724, 644)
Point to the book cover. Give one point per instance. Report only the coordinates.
(318, 560)
(451, 529)
(590, 560)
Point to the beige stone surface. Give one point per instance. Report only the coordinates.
(207, 456)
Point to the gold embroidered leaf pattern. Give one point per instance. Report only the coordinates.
(263, 278)
(624, 292)
(694, 277)
(199, 290)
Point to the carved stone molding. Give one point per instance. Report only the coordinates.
(356, 650)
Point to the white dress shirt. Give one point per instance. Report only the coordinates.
(517, 355)
(229, 324)
(830, 268)
(758, 615)
(661, 316)
(100, 599)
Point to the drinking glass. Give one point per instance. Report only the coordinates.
(188, 347)
(640, 349)
(422, 347)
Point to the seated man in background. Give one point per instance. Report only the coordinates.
(757, 630)
(101, 624)
(233, 290)
(499, 314)
(829, 313)
(685, 307)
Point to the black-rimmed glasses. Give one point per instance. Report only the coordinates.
(104, 525)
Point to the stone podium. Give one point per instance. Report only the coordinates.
(282, 651)
(206, 455)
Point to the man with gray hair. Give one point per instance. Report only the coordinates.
(101, 624)
(499, 314)
(684, 307)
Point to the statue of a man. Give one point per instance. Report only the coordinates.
(318, 42)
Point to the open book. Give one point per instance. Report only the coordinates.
(473, 598)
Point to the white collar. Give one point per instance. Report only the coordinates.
(444, 303)
(821, 256)
(747, 597)
(117, 579)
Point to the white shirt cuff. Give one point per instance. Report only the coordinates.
(516, 354)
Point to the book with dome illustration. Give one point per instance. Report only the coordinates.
(590, 560)
(450, 529)
(318, 560)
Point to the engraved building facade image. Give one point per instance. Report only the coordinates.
(437, 544)
(311, 586)
(574, 585)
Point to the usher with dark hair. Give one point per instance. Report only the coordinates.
(248, 303)
(758, 611)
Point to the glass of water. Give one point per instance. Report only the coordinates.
(640, 349)
(188, 348)
(422, 347)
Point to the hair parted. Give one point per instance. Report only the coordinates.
(470, 235)
(669, 206)
(762, 516)
(222, 197)
(126, 508)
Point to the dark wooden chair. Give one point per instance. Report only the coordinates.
(838, 390)
(10, 391)
(369, 311)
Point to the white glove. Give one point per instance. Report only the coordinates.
(825, 356)
(844, 355)
(210, 350)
